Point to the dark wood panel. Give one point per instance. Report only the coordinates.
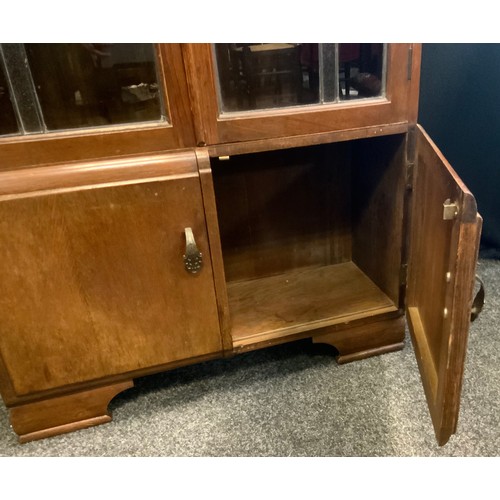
(297, 122)
(201, 85)
(283, 210)
(297, 141)
(414, 93)
(175, 84)
(442, 262)
(378, 184)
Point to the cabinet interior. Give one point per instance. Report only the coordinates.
(311, 236)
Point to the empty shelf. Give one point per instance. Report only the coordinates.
(267, 308)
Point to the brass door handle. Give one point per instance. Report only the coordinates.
(193, 258)
(478, 302)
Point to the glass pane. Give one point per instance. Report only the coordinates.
(90, 84)
(361, 68)
(259, 76)
(8, 123)
(267, 75)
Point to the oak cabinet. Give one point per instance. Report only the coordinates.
(320, 210)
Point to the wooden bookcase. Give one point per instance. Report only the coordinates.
(332, 221)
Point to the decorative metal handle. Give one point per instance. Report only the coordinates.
(478, 302)
(193, 258)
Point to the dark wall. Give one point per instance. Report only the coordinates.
(460, 109)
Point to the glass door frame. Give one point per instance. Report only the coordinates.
(19, 151)
(328, 65)
(398, 107)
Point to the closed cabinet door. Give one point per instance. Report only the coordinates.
(445, 234)
(255, 91)
(105, 269)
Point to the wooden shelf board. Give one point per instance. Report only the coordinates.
(300, 300)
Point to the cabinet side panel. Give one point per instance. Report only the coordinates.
(378, 208)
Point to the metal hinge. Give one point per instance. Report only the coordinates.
(450, 210)
(410, 61)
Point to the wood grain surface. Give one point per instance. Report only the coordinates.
(301, 300)
(93, 282)
(283, 210)
(63, 414)
(441, 274)
(378, 194)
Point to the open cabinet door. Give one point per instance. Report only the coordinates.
(445, 231)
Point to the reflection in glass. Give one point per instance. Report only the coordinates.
(89, 85)
(275, 75)
(267, 75)
(8, 123)
(360, 70)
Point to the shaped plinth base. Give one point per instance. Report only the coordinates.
(364, 340)
(61, 414)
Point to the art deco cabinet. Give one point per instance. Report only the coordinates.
(164, 205)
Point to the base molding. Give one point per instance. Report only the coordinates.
(62, 414)
(364, 340)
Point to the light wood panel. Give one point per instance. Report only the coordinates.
(302, 300)
(93, 282)
(77, 176)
